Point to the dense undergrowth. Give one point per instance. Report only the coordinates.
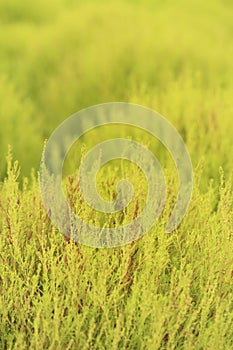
(166, 290)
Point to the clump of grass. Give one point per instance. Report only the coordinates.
(162, 291)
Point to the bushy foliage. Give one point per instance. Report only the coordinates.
(165, 291)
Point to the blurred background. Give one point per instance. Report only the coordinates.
(59, 56)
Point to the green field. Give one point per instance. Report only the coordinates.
(166, 290)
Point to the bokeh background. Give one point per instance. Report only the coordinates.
(59, 56)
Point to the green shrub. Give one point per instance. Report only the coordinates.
(164, 291)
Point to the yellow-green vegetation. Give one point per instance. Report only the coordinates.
(166, 290)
